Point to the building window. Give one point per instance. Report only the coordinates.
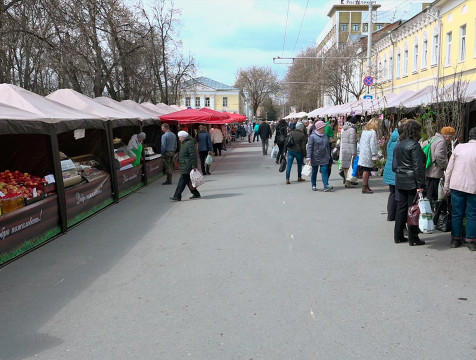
(424, 59)
(390, 68)
(225, 102)
(207, 102)
(436, 47)
(415, 58)
(379, 26)
(405, 63)
(462, 43)
(343, 27)
(197, 101)
(188, 101)
(449, 38)
(398, 66)
(365, 27)
(355, 27)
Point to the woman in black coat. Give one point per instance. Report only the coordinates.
(409, 168)
(280, 138)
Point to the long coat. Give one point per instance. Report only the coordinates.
(439, 157)
(368, 147)
(388, 174)
(187, 156)
(348, 145)
(318, 149)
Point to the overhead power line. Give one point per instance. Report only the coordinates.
(286, 28)
(300, 28)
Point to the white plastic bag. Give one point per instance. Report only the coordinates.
(424, 205)
(209, 160)
(306, 170)
(425, 220)
(274, 152)
(196, 178)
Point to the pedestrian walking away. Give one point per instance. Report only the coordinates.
(280, 139)
(188, 162)
(368, 152)
(409, 168)
(318, 154)
(348, 148)
(265, 134)
(204, 148)
(295, 151)
(217, 140)
(249, 131)
(460, 180)
(256, 134)
(168, 147)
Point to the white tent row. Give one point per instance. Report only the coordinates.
(69, 104)
(294, 115)
(407, 99)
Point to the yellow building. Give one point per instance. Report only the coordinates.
(204, 92)
(435, 47)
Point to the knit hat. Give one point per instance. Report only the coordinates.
(353, 120)
(447, 130)
(182, 134)
(319, 125)
(299, 126)
(141, 136)
(292, 126)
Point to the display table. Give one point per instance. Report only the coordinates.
(85, 199)
(129, 180)
(28, 227)
(154, 169)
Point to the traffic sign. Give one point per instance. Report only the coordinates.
(369, 80)
(370, 97)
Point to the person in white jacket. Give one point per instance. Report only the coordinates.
(368, 151)
(460, 180)
(217, 140)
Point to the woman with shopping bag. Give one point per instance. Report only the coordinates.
(318, 154)
(187, 162)
(348, 148)
(409, 168)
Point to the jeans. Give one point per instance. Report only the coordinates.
(281, 153)
(463, 203)
(391, 204)
(169, 164)
(405, 201)
(255, 137)
(264, 144)
(184, 181)
(324, 175)
(291, 156)
(217, 149)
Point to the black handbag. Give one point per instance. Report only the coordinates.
(442, 219)
(283, 164)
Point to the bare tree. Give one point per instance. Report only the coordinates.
(258, 83)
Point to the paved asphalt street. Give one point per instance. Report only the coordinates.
(256, 269)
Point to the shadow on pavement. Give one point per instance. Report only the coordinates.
(220, 196)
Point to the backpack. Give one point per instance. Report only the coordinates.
(290, 140)
(427, 151)
(281, 136)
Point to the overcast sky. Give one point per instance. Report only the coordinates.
(225, 35)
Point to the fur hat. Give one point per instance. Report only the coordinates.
(182, 134)
(448, 130)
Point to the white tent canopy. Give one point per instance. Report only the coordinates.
(12, 113)
(123, 108)
(85, 104)
(28, 101)
(139, 108)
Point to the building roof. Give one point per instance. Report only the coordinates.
(351, 7)
(209, 83)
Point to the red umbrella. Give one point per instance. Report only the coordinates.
(189, 116)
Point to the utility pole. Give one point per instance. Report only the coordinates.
(369, 45)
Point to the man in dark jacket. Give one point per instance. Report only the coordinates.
(265, 134)
(188, 162)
